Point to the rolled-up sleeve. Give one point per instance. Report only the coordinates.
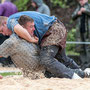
(11, 23)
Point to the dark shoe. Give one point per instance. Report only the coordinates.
(48, 74)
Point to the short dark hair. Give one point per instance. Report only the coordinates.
(24, 19)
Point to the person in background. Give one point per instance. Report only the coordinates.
(41, 7)
(7, 8)
(82, 15)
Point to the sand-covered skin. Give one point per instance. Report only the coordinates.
(22, 83)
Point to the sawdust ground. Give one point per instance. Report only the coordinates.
(21, 83)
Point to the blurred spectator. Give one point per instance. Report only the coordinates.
(41, 7)
(7, 8)
(82, 15)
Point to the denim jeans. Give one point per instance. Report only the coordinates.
(51, 64)
(67, 61)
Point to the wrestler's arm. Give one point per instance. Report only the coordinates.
(23, 33)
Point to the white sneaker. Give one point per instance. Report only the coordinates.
(75, 76)
(87, 72)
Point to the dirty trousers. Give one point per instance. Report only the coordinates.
(48, 60)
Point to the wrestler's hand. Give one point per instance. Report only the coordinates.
(35, 40)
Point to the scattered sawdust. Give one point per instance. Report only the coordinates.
(22, 83)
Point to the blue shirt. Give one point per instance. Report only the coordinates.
(42, 22)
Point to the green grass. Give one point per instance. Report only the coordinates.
(10, 73)
(72, 53)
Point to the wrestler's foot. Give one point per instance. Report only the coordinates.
(83, 74)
